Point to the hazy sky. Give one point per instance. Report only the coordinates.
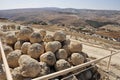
(80, 4)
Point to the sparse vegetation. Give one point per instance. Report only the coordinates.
(37, 22)
(98, 24)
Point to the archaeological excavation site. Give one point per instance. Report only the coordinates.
(30, 54)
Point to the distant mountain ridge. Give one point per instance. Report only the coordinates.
(68, 16)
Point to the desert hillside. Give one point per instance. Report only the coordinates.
(67, 16)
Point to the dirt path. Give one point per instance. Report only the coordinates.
(98, 53)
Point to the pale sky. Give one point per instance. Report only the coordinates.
(79, 4)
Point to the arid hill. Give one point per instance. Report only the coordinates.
(67, 16)
(102, 23)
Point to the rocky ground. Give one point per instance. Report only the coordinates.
(95, 53)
